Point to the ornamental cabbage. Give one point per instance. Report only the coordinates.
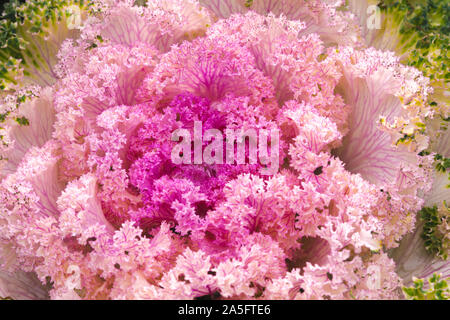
(93, 205)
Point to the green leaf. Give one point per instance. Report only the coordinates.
(438, 289)
(436, 241)
(30, 35)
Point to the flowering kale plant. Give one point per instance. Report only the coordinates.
(232, 149)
